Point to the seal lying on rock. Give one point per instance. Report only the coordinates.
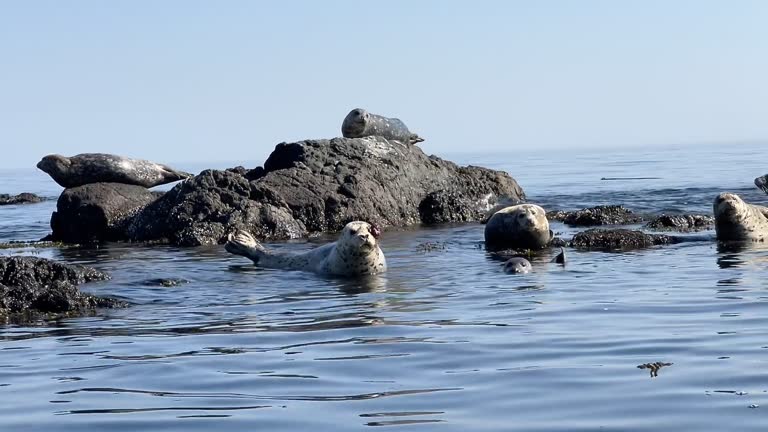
(90, 168)
(360, 123)
(523, 226)
(737, 221)
(355, 253)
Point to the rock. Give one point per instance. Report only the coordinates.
(22, 198)
(204, 209)
(682, 223)
(30, 285)
(97, 212)
(618, 239)
(319, 185)
(600, 215)
(252, 174)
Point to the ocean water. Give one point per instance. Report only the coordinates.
(442, 342)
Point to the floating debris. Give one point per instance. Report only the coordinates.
(654, 367)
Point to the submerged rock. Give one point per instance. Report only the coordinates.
(22, 198)
(97, 212)
(31, 285)
(618, 239)
(319, 185)
(599, 215)
(682, 223)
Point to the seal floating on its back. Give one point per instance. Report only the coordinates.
(355, 253)
(90, 168)
(360, 123)
(736, 220)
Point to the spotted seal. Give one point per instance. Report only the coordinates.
(360, 123)
(90, 168)
(517, 265)
(523, 226)
(736, 220)
(355, 253)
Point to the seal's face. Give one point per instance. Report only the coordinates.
(517, 266)
(736, 220)
(355, 122)
(54, 164)
(359, 236)
(729, 207)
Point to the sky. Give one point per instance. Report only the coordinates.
(204, 81)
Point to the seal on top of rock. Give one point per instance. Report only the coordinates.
(355, 253)
(360, 123)
(735, 220)
(90, 168)
(523, 226)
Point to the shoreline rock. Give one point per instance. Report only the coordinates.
(595, 216)
(32, 287)
(316, 186)
(618, 239)
(682, 223)
(22, 198)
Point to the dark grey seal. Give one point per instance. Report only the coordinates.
(360, 123)
(762, 183)
(90, 168)
(517, 265)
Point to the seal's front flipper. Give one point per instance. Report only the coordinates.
(560, 258)
(243, 243)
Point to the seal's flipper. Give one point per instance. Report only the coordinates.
(243, 243)
(560, 258)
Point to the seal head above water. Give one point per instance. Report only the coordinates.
(360, 123)
(90, 168)
(355, 253)
(517, 265)
(735, 220)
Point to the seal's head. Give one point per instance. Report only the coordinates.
(762, 183)
(517, 265)
(729, 208)
(355, 122)
(520, 226)
(359, 236)
(54, 164)
(735, 220)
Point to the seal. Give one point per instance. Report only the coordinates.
(517, 265)
(89, 168)
(360, 123)
(735, 220)
(762, 183)
(523, 226)
(355, 253)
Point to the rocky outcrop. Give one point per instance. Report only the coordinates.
(320, 185)
(682, 223)
(31, 285)
(22, 198)
(594, 216)
(618, 239)
(97, 212)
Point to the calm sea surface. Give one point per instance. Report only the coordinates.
(443, 341)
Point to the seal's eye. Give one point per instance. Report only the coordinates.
(353, 231)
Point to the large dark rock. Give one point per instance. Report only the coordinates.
(600, 215)
(682, 223)
(97, 212)
(30, 285)
(22, 198)
(320, 185)
(618, 239)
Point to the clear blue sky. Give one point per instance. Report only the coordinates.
(196, 81)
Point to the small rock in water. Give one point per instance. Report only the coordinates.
(166, 282)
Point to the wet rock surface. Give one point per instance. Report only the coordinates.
(682, 223)
(618, 239)
(318, 186)
(97, 212)
(31, 285)
(22, 198)
(595, 216)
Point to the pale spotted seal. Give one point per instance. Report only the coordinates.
(90, 168)
(736, 220)
(360, 123)
(517, 265)
(523, 226)
(355, 253)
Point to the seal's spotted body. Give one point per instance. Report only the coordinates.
(360, 123)
(736, 220)
(90, 168)
(355, 253)
(523, 226)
